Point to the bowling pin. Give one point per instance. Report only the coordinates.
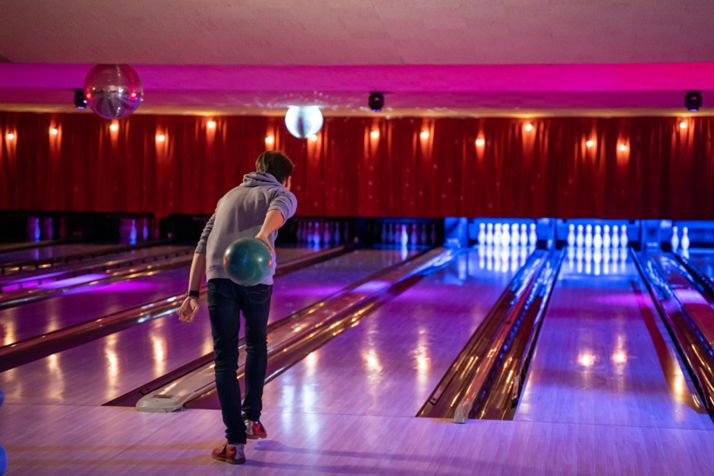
(497, 235)
(588, 236)
(623, 237)
(405, 236)
(326, 236)
(432, 237)
(482, 234)
(579, 238)
(615, 237)
(145, 229)
(346, 232)
(505, 235)
(515, 237)
(597, 240)
(606, 237)
(413, 238)
(675, 240)
(47, 229)
(489, 234)
(390, 233)
(685, 239)
(338, 235)
(422, 236)
(132, 236)
(588, 260)
(524, 234)
(571, 235)
(384, 232)
(532, 237)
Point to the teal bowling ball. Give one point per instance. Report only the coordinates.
(247, 261)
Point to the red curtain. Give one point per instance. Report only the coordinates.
(417, 167)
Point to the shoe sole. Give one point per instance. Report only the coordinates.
(228, 460)
(256, 437)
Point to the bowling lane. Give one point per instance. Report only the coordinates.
(703, 260)
(602, 359)
(101, 370)
(389, 363)
(53, 251)
(85, 304)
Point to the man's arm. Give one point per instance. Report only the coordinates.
(273, 220)
(189, 308)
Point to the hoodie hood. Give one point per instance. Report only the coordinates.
(260, 179)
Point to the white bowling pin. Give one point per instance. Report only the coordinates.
(326, 235)
(524, 234)
(505, 235)
(597, 240)
(675, 240)
(390, 233)
(384, 232)
(413, 237)
(588, 236)
(432, 235)
(606, 237)
(482, 234)
(571, 235)
(405, 236)
(489, 234)
(623, 236)
(337, 237)
(497, 235)
(422, 236)
(532, 237)
(615, 237)
(132, 236)
(515, 237)
(685, 239)
(580, 239)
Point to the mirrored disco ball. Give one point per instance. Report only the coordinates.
(113, 91)
(303, 121)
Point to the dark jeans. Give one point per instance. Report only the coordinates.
(226, 300)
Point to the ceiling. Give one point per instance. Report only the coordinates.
(432, 47)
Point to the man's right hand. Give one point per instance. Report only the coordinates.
(188, 309)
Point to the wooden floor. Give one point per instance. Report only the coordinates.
(349, 407)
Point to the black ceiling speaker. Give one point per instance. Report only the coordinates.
(693, 101)
(376, 101)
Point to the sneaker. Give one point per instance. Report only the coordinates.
(254, 430)
(230, 454)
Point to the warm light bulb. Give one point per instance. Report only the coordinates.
(160, 137)
(586, 360)
(211, 124)
(10, 136)
(590, 143)
(313, 138)
(683, 125)
(619, 357)
(425, 135)
(479, 142)
(114, 127)
(54, 131)
(375, 134)
(529, 127)
(623, 147)
(269, 140)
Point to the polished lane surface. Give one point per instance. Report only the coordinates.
(389, 363)
(45, 252)
(85, 304)
(101, 370)
(601, 357)
(703, 261)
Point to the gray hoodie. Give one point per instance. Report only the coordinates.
(240, 214)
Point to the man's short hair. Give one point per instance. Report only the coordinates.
(276, 164)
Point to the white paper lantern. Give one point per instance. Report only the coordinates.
(303, 121)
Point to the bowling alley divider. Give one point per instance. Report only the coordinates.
(23, 352)
(291, 338)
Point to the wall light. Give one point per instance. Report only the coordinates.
(269, 139)
(529, 127)
(480, 142)
(623, 147)
(114, 127)
(683, 125)
(313, 138)
(160, 137)
(424, 134)
(54, 131)
(375, 134)
(590, 143)
(10, 136)
(211, 124)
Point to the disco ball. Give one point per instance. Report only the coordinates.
(113, 91)
(303, 121)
